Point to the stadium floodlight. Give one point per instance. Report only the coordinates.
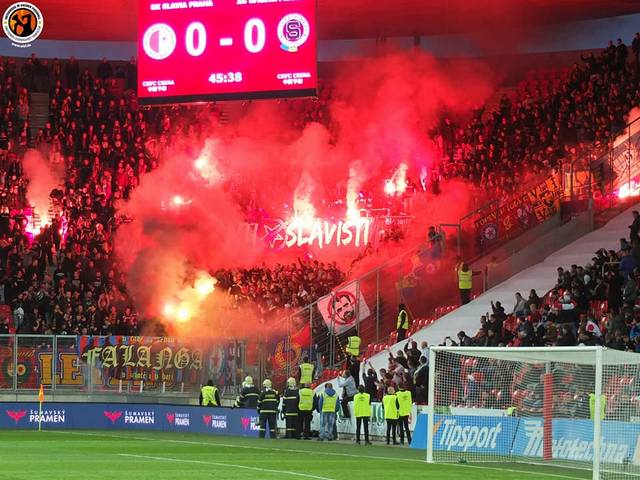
(572, 407)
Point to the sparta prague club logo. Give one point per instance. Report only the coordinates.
(293, 32)
(159, 41)
(22, 23)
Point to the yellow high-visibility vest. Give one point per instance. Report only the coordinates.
(306, 400)
(306, 373)
(403, 320)
(329, 403)
(405, 401)
(592, 405)
(465, 281)
(390, 404)
(362, 405)
(353, 345)
(209, 395)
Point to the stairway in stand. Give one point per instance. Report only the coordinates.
(38, 114)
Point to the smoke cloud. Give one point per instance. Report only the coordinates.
(187, 216)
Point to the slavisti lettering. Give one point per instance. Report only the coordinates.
(136, 417)
(315, 232)
(48, 416)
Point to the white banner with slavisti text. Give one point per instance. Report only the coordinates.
(344, 308)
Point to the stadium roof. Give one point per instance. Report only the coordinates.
(115, 20)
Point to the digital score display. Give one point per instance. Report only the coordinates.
(203, 50)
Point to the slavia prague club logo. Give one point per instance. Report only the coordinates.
(22, 23)
(293, 32)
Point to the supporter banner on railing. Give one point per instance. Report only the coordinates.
(344, 308)
(108, 361)
(119, 416)
(522, 212)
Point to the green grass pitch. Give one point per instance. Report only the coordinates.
(82, 455)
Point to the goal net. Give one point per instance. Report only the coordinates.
(572, 407)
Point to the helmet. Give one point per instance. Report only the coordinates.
(248, 380)
(291, 382)
(266, 383)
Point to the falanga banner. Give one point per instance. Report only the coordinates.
(119, 416)
(572, 439)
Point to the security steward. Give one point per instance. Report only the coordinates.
(404, 402)
(290, 401)
(362, 411)
(306, 371)
(209, 396)
(353, 346)
(390, 406)
(402, 324)
(305, 411)
(465, 282)
(249, 394)
(268, 409)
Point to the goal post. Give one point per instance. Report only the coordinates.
(571, 407)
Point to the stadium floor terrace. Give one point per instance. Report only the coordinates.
(32, 455)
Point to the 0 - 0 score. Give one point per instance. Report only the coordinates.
(255, 36)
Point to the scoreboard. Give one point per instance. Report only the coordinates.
(203, 50)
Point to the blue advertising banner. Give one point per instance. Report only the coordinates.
(118, 416)
(572, 439)
(467, 433)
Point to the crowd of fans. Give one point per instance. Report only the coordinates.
(67, 280)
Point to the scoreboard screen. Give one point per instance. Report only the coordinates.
(203, 50)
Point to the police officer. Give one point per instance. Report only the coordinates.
(209, 396)
(402, 325)
(362, 411)
(249, 394)
(305, 411)
(404, 403)
(306, 371)
(290, 400)
(268, 409)
(390, 406)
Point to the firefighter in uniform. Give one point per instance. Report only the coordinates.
(249, 394)
(290, 401)
(404, 402)
(306, 371)
(402, 325)
(362, 411)
(268, 409)
(209, 396)
(305, 411)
